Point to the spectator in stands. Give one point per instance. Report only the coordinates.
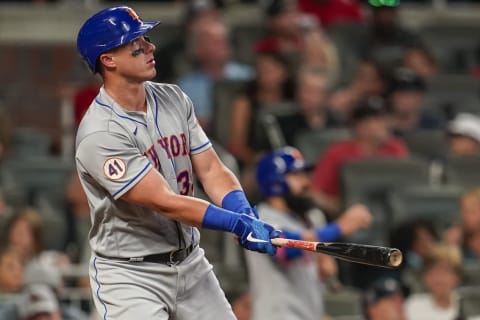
(11, 270)
(384, 300)
(388, 40)
(47, 273)
(371, 138)
(271, 87)
(415, 239)
(470, 223)
(421, 61)
(406, 103)
(472, 245)
(320, 52)
(83, 97)
(169, 55)
(299, 36)
(24, 231)
(464, 135)
(284, 26)
(78, 204)
(441, 275)
(331, 12)
(312, 112)
(212, 56)
(40, 304)
(370, 80)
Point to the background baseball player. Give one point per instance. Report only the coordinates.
(288, 286)
(136, 151)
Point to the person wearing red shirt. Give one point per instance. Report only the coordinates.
(330, 12)
(83, 97)
(371, 138)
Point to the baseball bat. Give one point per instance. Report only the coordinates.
(353, 252)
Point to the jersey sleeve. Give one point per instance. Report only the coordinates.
(199, 141)
(112, 161)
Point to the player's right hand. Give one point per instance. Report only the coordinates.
(356, 217)
(254, 234)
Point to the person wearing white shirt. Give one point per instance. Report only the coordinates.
(441, 275)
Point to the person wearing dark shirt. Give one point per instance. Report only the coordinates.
(388, 39)
(312, 113)
(407, 104)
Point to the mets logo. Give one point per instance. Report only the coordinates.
(133, 14)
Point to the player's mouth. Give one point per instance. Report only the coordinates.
(151, 61)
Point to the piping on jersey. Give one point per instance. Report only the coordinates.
(133, 179)
(181, 238)
(98, 289)
(119, 115)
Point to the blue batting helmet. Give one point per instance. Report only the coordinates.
(274, 166)
(108, 29)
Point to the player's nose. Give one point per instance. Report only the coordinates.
(150, 47)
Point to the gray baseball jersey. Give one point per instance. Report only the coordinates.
(116, 148)
(284, 290)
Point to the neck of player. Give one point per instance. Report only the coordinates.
(129, 95)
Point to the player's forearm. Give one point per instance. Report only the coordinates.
(183, 209)
(219, 183)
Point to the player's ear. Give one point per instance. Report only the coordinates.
(107, 60)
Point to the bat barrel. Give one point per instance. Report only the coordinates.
(395, 258)
(364, 254)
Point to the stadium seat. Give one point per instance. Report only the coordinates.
(471, 273)
(369, 181)
(271, 132)
(452, 94)
(41, 174)
(468, 298)
(436, 203)
(224, 94)
(244, 38)
(345, 303)
(463, 171)
(9, 306)
(29, 142)
(428, 144)
(312, 143)
(451, 44)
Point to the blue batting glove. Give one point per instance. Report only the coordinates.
(252, 212)
(236, 201)
(255, 235)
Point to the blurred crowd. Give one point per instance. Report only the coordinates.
(355, 91)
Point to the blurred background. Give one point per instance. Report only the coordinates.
(262, 74)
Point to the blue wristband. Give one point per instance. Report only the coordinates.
(330, 232)
(216, 218)
(236, 201)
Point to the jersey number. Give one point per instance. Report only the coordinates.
(114, 169)
(183, 179)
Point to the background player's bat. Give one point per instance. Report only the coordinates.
(360, 253)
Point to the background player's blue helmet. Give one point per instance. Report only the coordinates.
(273, 167)
(108, 29)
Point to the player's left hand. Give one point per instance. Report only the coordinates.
(252, 212)
(254, 234)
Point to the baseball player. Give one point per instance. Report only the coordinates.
(137, 148)
(288, 286)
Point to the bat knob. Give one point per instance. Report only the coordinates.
(395, 258)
